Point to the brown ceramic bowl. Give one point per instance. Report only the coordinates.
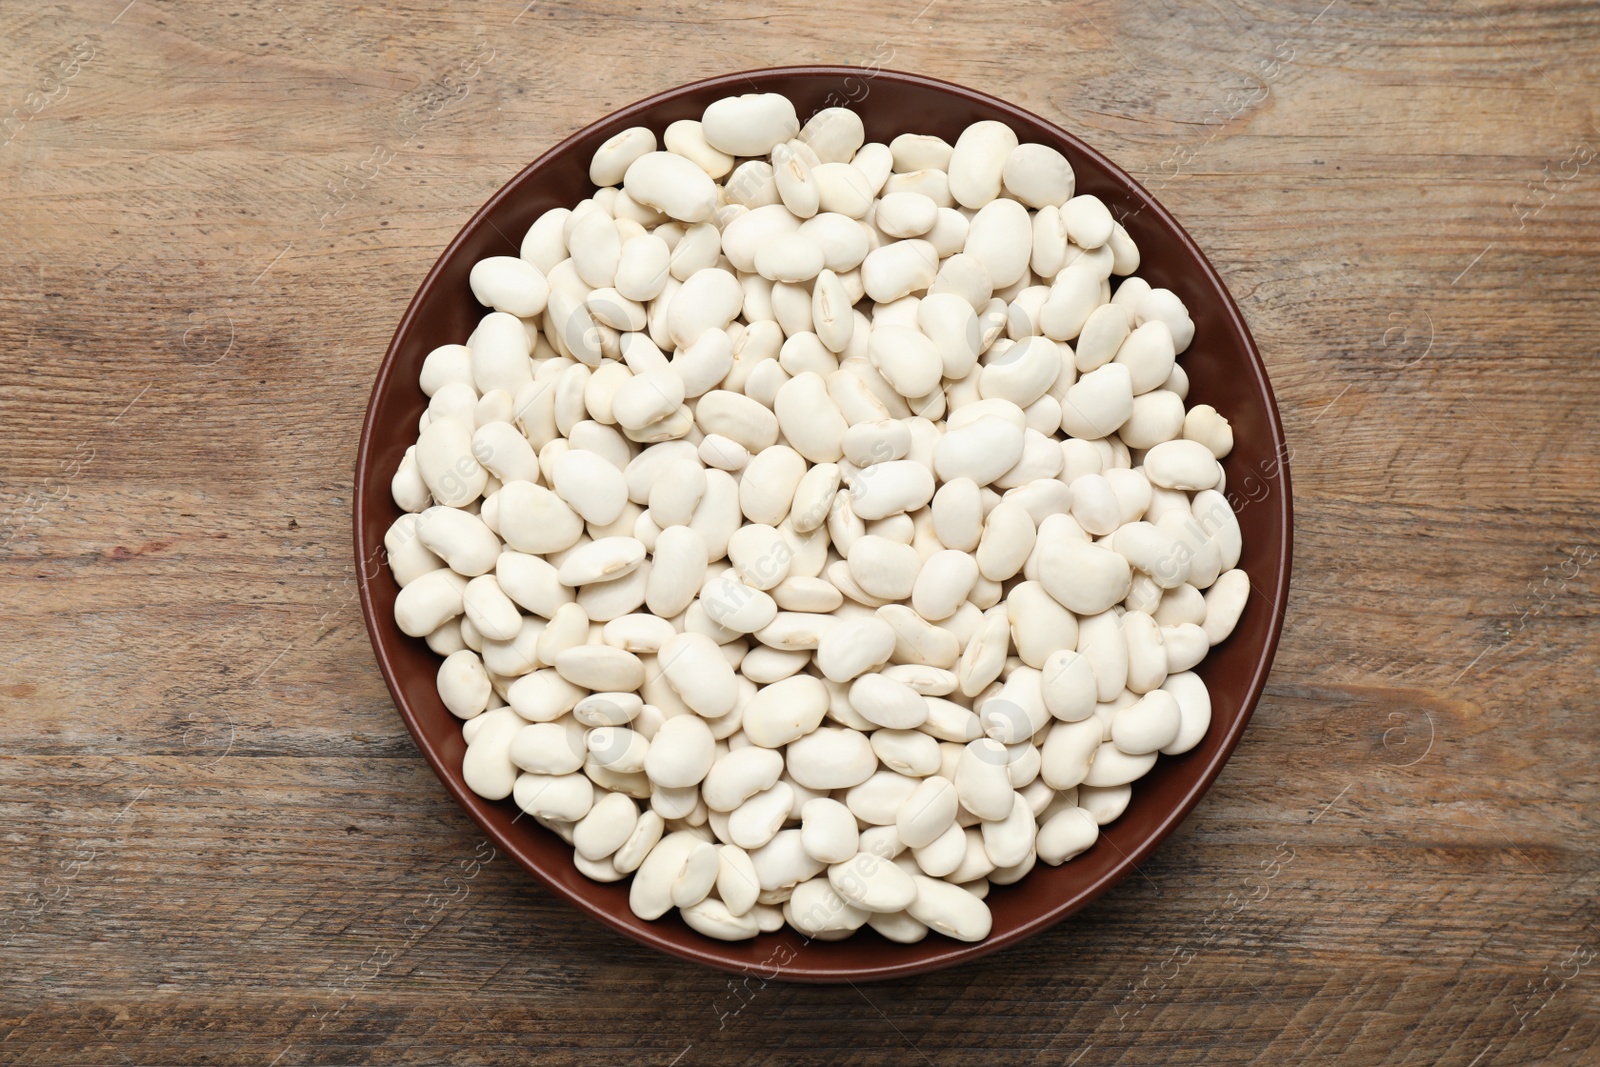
(1224, 369)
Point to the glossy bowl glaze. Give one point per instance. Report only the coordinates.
(1224, 370)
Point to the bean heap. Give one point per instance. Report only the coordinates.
(880, 588)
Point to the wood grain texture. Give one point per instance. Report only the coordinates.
(219, 844)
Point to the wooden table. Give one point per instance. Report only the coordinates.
(220, 845)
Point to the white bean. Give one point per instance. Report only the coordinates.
(830, 758)
(650, 895)
(749, 125)
(767, 488)
(714, 918)
(1088, 221)
(429, 601)
(1068, 748)
(981, 452)
(817, 911)
(1225, 602)
(977, 162)
(899, 268)
(1148, 725)
(872, 883)
(854, 646)
(710, 299)
(590, 485)
(1148, 354)
(755, 822)
(699, 674)
(1038, 175)
(1001, 238)
(671, 184)
(463, 684)
(1068, 685)
(835, 134)
(681, 753)
(510, 284)
(950, 910)
(1112, 766)
(740, 775)
(828, 831)
(1066, 834)
(611, 159)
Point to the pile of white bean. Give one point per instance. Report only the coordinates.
(883, 586)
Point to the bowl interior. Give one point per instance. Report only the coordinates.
(1224, 370)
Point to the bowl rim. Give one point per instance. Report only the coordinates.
(705, 950)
